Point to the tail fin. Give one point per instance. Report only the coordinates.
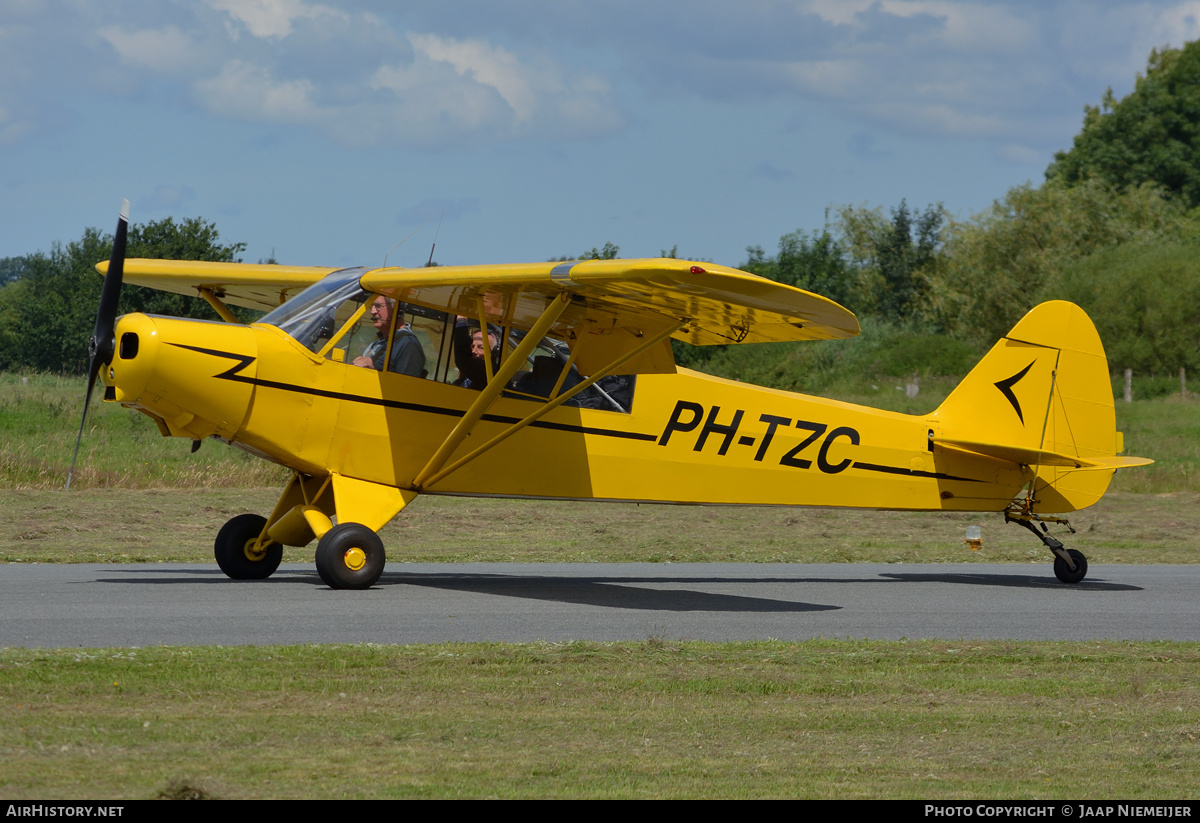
(1042, 397)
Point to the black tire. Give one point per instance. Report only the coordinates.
(350, 556)
(1063, 572)
(231, 546)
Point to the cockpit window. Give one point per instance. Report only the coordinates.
(336, 319)
(314, 315)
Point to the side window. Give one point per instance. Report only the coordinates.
(421, 330)
(364, 339)
(357, 339)
(464, 350)
(341, 328)
(546, 374)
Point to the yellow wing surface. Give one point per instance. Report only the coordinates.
(614, 304)
(719, 304)
(250, 285)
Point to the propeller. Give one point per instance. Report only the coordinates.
(103, 343)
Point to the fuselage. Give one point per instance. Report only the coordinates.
(685, 437)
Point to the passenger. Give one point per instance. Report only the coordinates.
(472, 370)
(407, 355)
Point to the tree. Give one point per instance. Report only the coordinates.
(12, 269)
(814, 261)
(1145, 301)
(47, 314)
(609, 252)
(996, 266)
(1152, 135)
(895, 259)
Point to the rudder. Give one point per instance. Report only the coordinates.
(1041, 396)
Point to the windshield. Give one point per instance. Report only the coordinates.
(310, 317)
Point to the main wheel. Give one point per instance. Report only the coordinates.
(235, 549)
(350, 556)
(1063, 572)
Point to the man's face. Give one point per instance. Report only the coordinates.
(381, 314)
(477, 348)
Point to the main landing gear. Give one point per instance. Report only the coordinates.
(349, 554)
(1070, 566)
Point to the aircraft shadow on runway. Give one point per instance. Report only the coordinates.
(612, 593)
(623, 593)
(1021, 581)
(607, 592)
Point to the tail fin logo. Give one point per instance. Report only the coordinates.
(1005, 387)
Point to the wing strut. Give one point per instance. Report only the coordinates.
(219, 307)
(557, 401)
(490, 392)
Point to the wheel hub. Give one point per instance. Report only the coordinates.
(254, 551)
(355, 559)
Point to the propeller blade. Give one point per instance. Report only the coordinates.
(103, 344)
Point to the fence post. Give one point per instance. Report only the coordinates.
(1182, 383)
(1129, 385)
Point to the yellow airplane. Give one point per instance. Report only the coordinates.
(557, 380)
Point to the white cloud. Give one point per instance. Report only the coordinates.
(271, 18)
(483, 89)
(164, 50)
(428, 73)
(839, 12)
(487, 65)
(250, 92)
(988, 26)
(1178, 24)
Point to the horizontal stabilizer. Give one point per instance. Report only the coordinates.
(1042, 457)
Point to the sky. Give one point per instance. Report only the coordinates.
(324, 133)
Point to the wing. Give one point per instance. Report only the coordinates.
(253, 286)
(716, 304)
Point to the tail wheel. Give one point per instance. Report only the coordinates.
(1063, 572)
(350, 556)
(238, 553)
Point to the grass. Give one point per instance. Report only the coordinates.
(178, 525)
(820, 719)
(39, 419)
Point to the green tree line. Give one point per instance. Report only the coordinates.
(48, 300)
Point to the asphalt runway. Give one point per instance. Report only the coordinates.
(43, 605)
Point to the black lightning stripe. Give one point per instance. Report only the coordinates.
(234, 375)
(875, 467)
(1005, 387)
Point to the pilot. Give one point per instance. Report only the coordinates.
(472, 370)
(407, 355)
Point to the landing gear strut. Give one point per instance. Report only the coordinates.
(244, 552)
(1070, 566)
